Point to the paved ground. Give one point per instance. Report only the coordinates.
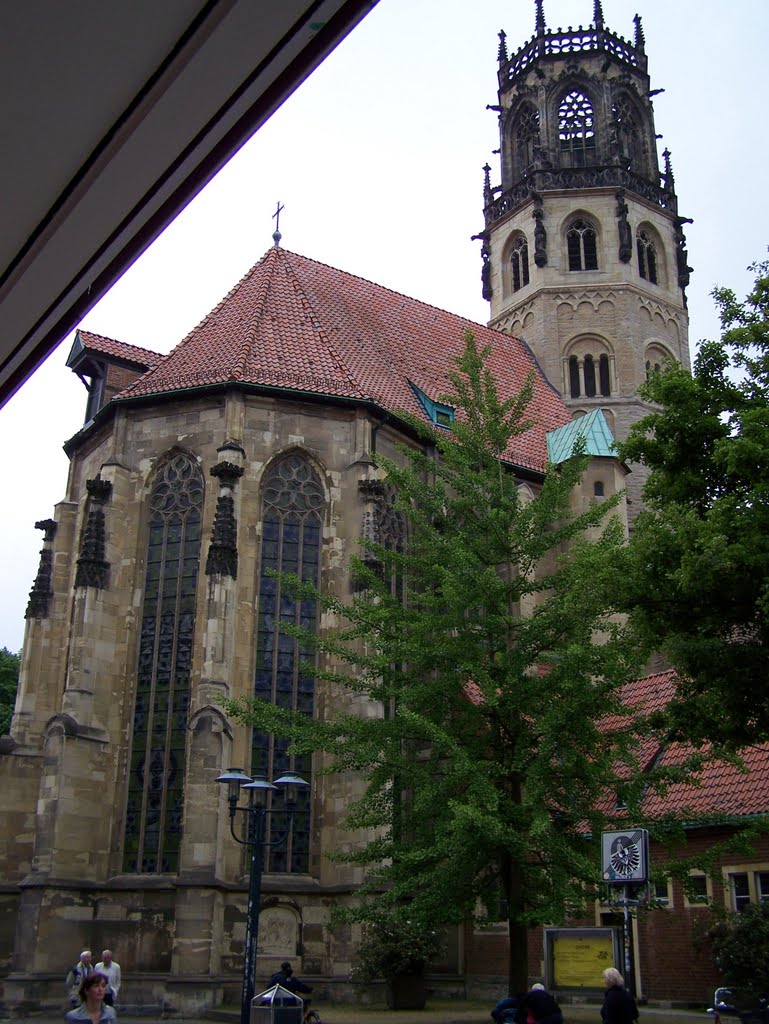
(437, 1012)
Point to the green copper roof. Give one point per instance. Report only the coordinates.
(592, 427)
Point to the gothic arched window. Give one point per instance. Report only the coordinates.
(519, 263)
(647, 256)
(526, 136)
(576, 130)
(392, 535)
(153, 827)
(581, 243)
(292, 507)
(628, 133)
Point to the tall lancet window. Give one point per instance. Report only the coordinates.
(526, 137)
(153, 827)
(582, 246)
(291, 533)
(519, 263)
(647, 256)
(392, 535)
(576, 130)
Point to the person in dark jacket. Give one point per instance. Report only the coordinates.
(619, 1007)
(538, 1007)
(504, 1011)
(285, 977)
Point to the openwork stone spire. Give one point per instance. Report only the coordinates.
(223, 552)
(640, 39)
(92, 566)
(502, 51)
(540, 19)
(42, 590)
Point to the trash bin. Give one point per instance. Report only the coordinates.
(277, 1005)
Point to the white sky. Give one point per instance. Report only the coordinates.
(378, 160)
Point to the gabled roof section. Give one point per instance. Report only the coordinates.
(98, 346)
(299, 325)
(720, 788)
(592, 427)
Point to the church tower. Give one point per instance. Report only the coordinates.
(583, 248)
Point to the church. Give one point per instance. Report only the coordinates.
(251, 447)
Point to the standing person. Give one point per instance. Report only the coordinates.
(538, 1007)
(285, 977)
(619, 1007)
(76, 976)
(92, 1006)
(111, 968)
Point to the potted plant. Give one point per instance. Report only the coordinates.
(398, 950)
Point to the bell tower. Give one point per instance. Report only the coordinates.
(583, 249)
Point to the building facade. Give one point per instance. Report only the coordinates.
(249, 449)
(583, 246)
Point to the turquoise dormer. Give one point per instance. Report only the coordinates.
(441, 415)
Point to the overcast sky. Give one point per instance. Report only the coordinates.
(378, 160)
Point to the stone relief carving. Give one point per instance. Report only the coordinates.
(278, 931)
(92, 566)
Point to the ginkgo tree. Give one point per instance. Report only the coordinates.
(491, 664)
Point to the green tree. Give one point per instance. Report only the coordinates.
(9, 680)
(698, 573)
(738, 946)
(484, 771)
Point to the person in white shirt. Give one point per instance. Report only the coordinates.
(112, 969)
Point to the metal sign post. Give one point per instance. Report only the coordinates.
(625, 867)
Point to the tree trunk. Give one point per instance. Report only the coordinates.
(518, 933)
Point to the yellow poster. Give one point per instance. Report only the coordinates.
(580, 960)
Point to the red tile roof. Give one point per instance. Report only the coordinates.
(297, 324)
(102, 345)
(720, 787)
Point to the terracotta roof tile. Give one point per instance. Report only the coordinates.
(294, 323)
(102, 345)
(720, 787)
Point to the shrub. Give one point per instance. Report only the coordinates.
(739, 949)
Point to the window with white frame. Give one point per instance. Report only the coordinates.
(746, 884)
(661, 891)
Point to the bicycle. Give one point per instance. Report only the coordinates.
(310, 1016)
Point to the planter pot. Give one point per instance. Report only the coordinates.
(407, 992)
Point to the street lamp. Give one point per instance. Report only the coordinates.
(256, 815)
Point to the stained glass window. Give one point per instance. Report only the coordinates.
(153, 827)
(291, 539)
